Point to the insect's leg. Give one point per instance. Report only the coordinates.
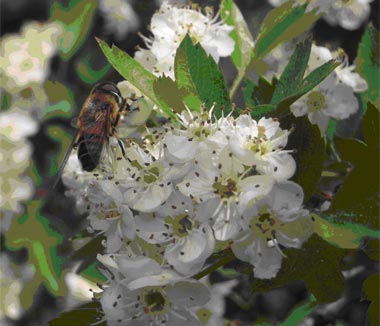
(121, 144)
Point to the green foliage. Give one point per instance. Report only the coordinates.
(359, 192)
(309, 152)
(340, 233)
(243, 51)
(76, 20)
(84, 315)
(168, 92)
(281, 25)
(134, 72)
(199, 76)
(89, 75)
(61, 101)
(33, 232)
(367, 64)
(322, 276)
(291, 85)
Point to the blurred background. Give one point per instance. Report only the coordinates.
(51, 47)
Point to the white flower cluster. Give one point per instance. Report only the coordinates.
(182, 189)
(171, 24)
(25, 57)
(349, 14)
(15, 151)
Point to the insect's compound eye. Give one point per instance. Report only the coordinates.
(110, 88)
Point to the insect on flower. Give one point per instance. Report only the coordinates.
(98, 120)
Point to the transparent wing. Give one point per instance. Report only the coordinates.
(65, 159)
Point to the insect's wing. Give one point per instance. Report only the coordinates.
(65, 159)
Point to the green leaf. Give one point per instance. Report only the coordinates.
(309, 152)
(76, 19)
(134, 72)
(300, 312)
(33, 232)
(243, 51)
(359, 193)
(340, 233)
(167, 91)
(367, 64)
(291, 84)
(198, 74)
(260, 94)
(292, 78)
(260, 111)
(86, 314)
(281, 25)
(317, 263)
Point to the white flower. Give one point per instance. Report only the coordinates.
(120, 18)
(15, 152)
(349, 14)
(199, 133)
(142, 293)
(261, 145)
(24, 59)
(170, 25)
(148, 181)
(108, 214)
(334, 96)
(187, 243)
(276, 220)
(223, 194)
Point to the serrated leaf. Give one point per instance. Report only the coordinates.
(33, 232)
(76, 19)
(291, 79)
(243, 51)
(309, 152)
(133, 71)
(341, 233)
(359, 193)
(367, 64)
(86, 314)
(260, 111)
(317, 263)
(292, 84)
(281, 25)
(198, 74)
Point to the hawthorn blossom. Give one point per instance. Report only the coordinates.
(222, 194)
(120, 18)
(278, 219)
(25, 57)
(261, 144)
(15, 126)
(199, 132)
(187, 243)
(140, 292)
(108, 214)
(349, 14)
(170, 25)
(333, 97)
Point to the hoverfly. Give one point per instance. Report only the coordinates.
(98, 120)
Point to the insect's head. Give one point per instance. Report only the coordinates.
(108, 88)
